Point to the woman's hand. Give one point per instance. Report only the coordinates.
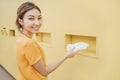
(71, 53)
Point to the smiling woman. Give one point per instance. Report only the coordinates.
(29, 19)
(30, 56)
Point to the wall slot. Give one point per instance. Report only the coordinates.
(91, 40)
(3, 32)
(43, 37)
(12, 32)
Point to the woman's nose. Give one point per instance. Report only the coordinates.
(37, 22)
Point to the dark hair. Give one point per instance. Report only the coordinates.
(22, 10)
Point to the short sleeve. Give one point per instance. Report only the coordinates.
(32, 52)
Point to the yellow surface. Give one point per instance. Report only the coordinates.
(99, 18)
(43, 37)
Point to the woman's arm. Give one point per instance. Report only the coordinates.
(46, 69)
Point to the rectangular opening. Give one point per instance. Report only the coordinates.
(11, 32)
(91, 40)
(3, 32)
(43, 37)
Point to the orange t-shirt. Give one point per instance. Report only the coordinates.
(28, 53)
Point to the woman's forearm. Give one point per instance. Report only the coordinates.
(50, 68)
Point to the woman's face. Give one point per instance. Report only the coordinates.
(31, 22)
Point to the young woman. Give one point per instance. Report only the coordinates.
(30, 56)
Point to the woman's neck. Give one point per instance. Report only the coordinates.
(27, 34)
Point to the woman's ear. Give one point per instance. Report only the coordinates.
(20, 21)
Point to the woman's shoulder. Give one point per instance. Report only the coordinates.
(23, 40)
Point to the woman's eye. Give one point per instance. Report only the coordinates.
(40, 18)
(31, 18)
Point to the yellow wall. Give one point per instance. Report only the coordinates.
(93, 18)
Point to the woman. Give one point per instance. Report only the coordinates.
(30, 56)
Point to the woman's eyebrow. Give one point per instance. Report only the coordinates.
(40, 15)
(34, 16)
(31, 15)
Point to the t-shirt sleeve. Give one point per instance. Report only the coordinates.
(32, 53)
